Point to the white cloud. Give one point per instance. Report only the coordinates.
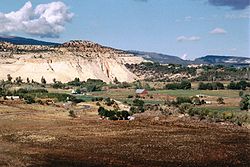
(218, 31)
(45, 20)
(184, 38)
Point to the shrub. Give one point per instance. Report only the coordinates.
(130, 96)
(43, 81)
(113, 117)
(245, 102)
(138, 102)
(185, 107)
(182, 85)
(196, 100)
(116, 81)
(38, 91)
(76, 100)
(106, 113)
(202, 112)
(220, 100)
(22, 91)
(132, 110)
(109, 102)
(125, 114)
(180, 100)
(58, 85)
(185, 85)
(9, 78)
(124, 85)
(102, 111)
(227, 115)
(241, 93)
(237, 85)
(100, 98)
(29, 99)
(72, 114)
(210, 86)
(75, 82)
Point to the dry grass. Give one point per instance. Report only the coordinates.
(52, 138)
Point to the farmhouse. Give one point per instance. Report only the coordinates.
(141, 92)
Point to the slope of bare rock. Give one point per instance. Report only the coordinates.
(82, 59)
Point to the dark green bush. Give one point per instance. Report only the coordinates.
(245, 102)
(29, 99)
(211, 86)
(130, 96)
(180, 100)
(185, 107)
(182, 85)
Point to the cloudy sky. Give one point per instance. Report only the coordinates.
(185, 28)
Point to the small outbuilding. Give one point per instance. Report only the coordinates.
(12, 97)
(141, 92)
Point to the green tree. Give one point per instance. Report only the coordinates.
(241, 93)
(245, 102)
(185, 85)
(125, 114)
(19, 80)
(9, 78)
(43, 81)
(116, 81)
(138, 102)
(29, 99)
(180, 100)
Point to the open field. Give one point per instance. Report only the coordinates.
(47, 136)
(188, 93)
(123, 93)
(231, 97)
(160, 85)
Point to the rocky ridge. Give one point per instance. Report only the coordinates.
(64, 62)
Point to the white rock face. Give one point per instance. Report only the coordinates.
(65, 62)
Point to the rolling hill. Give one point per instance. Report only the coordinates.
(161, 58)
(223, 60)
(24, 41)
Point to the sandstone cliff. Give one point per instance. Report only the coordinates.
(82, 59)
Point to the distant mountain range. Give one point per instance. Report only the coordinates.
(155, 57)
(161, 58)
(209, 59)
(24, 41)
(224, 60)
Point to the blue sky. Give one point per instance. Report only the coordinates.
(185, 28)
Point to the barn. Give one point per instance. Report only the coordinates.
(141, 92)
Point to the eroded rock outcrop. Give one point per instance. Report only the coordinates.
(82, 59)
